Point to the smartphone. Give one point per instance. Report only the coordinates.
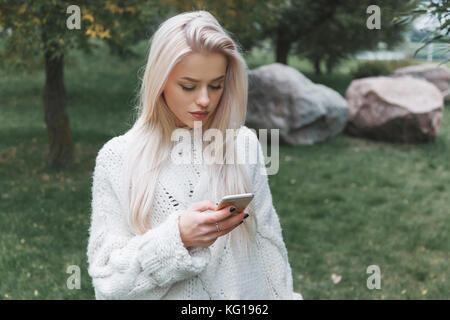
(239, 201)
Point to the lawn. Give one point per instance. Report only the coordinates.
(344, 204)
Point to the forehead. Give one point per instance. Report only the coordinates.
(200, 66)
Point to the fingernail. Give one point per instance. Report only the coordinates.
(245, 216)
(232, 209)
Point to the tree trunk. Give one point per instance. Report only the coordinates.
(283, 46)
(317, 66)
(329, 66)
(331, 62)
(59, 134)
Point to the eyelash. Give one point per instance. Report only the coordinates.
(212, 87)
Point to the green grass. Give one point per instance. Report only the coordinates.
(350, 203)
(343, 204)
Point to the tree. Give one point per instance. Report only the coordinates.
(39, 28)
(246, 20)
(328, 31)
(437, 9)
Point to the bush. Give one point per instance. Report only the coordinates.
(375, 68)
(370, 69)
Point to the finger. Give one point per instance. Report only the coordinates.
(232, 221)
(220, 215)
(225, 231)
(234, 213)
(203, 205)
(227, 224)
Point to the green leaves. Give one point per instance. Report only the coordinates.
(440, 11)
(39, 27)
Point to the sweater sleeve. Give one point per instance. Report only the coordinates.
(127, 266)
(269, 239)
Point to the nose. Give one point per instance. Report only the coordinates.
(203, 98)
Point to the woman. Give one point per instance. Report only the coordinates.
(155, 232)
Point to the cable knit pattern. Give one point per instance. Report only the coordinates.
(156, 265)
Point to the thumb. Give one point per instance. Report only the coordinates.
(203, 205)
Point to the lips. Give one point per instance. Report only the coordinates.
(200, 113)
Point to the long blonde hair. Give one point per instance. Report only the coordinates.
(196, 31)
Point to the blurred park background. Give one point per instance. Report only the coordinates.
(344, 203)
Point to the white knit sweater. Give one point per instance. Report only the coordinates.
(156, 265)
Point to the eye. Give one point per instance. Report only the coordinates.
(186, 88)
(190, 89)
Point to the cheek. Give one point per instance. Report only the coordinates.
(175, 98)
(217, 97)
(183, 100)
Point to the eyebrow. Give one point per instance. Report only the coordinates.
(195, 80)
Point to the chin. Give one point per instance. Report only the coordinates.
(191, 123)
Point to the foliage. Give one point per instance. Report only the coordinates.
(438, 9)
(375, 68)
(329, 31)
(371, 69)
(246, 20)
(40, 26)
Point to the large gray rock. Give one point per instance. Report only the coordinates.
(401, 109)
(439, 75)
(282, 98)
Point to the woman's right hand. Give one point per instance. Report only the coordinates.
(198, 228)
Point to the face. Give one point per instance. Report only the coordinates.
(194, 87)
